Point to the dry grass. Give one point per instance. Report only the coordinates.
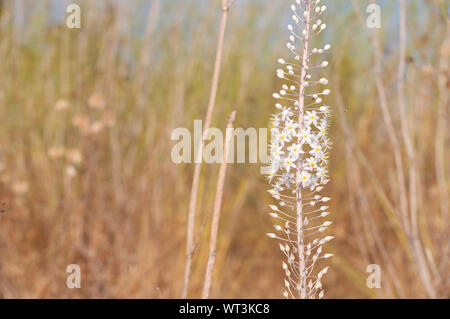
(86, 174)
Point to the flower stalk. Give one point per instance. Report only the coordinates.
(301, 144)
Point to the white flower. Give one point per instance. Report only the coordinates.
(275, 121)
(286, 114)
(311, 163)
(305, 178)
(307, 136)
(287, 179)
(325, 110)
(289, 163)
(282, 137)
(311, 117)
(326, 143)
(295, 150)
(276, 152)
(291, 127)
(321, 174)
(316, 150)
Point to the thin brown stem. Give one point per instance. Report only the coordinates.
(382, 96)
(408, 217)
(441, 165)
(216, 212)
(198, 163)
(370, 230)
(416, 243)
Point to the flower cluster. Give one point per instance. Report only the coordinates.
(307, 147)
(299, 155)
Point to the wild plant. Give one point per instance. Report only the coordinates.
(190, 245)
(299, 155)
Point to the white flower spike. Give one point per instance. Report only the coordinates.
(299, 154)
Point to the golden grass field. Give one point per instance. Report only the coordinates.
(86, 175)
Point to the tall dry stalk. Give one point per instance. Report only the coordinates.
(441, 151)
(371, 244)
(301, 144)
(407, 210)
(216, 212)
(416, 244)
(190, 247)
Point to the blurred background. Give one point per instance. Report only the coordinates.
(86, 175)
